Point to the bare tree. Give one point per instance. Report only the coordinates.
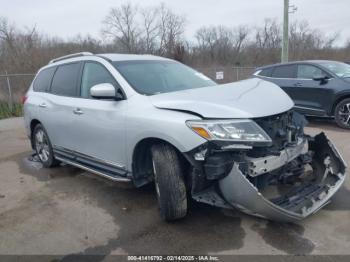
(269, 35)
(242, 34)
(122, 26)
(206, 41)
(171, 29)
(7, 34)
(221, 45)
(267, 44)
(159, 30)
(150, 29)
(306, 42)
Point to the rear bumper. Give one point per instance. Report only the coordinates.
(300, 201)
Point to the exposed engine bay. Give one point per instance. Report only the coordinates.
(286, 180)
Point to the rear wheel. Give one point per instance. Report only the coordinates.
(169, 182)
(342, 113)
(43, 147)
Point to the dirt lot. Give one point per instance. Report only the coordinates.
(68, 211)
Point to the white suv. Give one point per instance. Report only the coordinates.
(141, 118)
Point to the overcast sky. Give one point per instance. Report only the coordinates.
(67, 18)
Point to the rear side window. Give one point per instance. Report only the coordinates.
(43, 80)
(284, 71)
(266, 72)
(65, 80)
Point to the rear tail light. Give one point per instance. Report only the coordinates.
(23, 99)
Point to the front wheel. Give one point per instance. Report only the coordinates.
(169, 182)
(342, 113)
(43, 147)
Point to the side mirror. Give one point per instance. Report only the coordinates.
(322, 78)
(105, 91)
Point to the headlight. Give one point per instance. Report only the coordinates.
(240, 130)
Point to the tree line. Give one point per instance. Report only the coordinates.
(159, 30)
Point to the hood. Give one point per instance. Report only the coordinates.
(250, 98)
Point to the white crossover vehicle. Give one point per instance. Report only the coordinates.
(146, 119)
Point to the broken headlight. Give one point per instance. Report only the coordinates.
(239, 130)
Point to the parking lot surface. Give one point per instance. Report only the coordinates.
(67, 211)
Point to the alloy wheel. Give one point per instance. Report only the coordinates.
(344, 114)
(42, 145)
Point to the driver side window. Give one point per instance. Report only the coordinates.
(309, 72)
(93, 74)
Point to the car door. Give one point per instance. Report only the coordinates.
(312, 96)
(285, 77)
(57, 108)
(41, 86)
(99, 131)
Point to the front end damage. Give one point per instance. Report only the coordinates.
(286, 181)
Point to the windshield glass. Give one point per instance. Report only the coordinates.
(338, 68)
(155, 77)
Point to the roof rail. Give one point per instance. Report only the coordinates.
(70, 56)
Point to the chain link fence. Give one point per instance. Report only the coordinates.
(14, 86)
(12, 89)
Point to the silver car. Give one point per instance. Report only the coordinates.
(147, 119)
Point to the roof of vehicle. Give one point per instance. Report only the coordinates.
(108, 56)
(128, 57)
(295, 62)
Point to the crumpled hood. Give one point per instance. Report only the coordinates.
(244, 99)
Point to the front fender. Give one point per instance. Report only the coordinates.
(166, 125)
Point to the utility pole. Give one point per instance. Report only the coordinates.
(287, 9)
(285, 43)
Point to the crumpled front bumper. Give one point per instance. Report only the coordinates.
(300, 202)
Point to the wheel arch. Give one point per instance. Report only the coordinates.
(338, 100)
(33, 124)
(142, 169)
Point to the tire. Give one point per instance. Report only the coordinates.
(342, 113)
(169, 182)
(43, 147)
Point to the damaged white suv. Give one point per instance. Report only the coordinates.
(144, 119)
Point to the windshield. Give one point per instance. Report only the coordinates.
(338, 68)
(155, 77)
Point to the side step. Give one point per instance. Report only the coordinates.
(98, 171)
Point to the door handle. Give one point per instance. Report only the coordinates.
(298, 84)
(43, 105)
(78, 111)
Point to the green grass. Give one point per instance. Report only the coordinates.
(6, 112)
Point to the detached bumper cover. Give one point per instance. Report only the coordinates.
(302, 200)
